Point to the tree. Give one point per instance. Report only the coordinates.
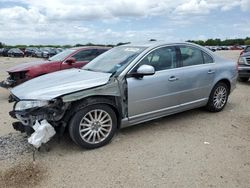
(1, 45)
(247, 42)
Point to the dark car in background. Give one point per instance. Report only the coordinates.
(4, 52)
(15, 52)
(246, 50)
(38, 53)
(70, 58)
(29, 51)
(244, 66)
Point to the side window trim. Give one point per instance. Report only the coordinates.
(203, 52)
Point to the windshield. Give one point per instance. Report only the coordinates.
(62, 55)
(114, 60)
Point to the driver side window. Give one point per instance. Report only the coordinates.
(85, 55)
(161, 59)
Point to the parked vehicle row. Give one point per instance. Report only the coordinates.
(124, 86)
(217, 48)
(45, 52)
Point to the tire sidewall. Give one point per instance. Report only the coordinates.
(210, 104)
(75, 123)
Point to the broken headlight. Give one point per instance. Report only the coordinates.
(24, 105)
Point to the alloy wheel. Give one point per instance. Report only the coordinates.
(220, 97)
(95, 126)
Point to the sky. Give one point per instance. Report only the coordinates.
(112, 21)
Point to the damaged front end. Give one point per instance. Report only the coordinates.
(15, 78)
(38, 118)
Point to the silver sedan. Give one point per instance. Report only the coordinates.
(127, 85)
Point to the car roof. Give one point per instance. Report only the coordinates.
(153, 44)
(90, 47)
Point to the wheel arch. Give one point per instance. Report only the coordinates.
(225, 81)
(111, 101)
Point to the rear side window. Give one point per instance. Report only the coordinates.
(207, 58)
(191, 56)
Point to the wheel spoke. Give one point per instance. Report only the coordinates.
(98, 136)
(85, 125)
(102, 133)
(106, 130)
(89, 137)
(86, 134)
(103, 117)
(100, 115)
(85, 129)
(94, 137)
(95, 115)
(91, 117)
(106, 125)
(105, 121)
(86, 119)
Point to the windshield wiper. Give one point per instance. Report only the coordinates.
(88, 69)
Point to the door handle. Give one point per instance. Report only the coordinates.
(172, 78)
(211, 72)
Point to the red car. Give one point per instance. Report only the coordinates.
(70, 58)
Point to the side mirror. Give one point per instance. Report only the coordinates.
(145, 70)
(70, 60)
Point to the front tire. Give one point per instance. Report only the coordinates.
(243, 79)
(218, 97)
(93, 126)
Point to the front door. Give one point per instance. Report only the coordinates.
(156, 92)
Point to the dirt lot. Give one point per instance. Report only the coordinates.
(190, 149)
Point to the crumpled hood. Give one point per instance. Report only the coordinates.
(59, 83)
(26, 66)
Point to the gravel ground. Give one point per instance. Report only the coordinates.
(13, 145)
(191, 149)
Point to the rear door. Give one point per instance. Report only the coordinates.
(197, 73)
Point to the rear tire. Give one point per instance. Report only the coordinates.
(218, 97)
(93, 126)
(243, 79)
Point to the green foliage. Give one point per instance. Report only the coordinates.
(247, 42)
(1, 45)
(219, 42)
